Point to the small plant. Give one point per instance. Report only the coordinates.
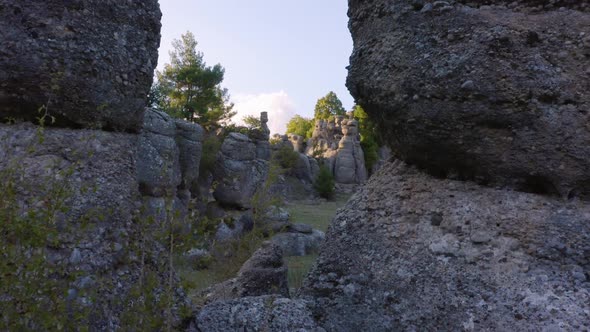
(211, 146)
(324, 183)
(285, 157)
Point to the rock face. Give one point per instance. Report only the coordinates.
(263, 313)
(169, 153)
(411, 252)
(238, 172)
(493, 94)
(84, 183)
(90, 62)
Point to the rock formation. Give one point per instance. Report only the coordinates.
(261, 137)
(265, 273)
(466, 91)
(349, 166)
(495, 94)
(412, 252)
(90, 63)
(337, 141)
(78, 182)
(238, 172)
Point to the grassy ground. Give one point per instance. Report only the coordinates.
(319, 216)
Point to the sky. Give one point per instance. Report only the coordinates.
(279, 56)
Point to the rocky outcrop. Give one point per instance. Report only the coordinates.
(265, 273)
(495, 94)
(349, 166)
(412, 252)
(261, 137)
(90, 63)
(337, 141)
(238, 172)
(79, 189)
(169, 153)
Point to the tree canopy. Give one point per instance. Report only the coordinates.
(188, 88)
(300, 126)
(327, 106)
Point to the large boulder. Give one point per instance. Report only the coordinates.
(237, 171)
(299, 242)
(496, 94)
(89, 62)
(412, 252)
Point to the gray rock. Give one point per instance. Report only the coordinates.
(278, 214)
(300, 228)
(299, 244)
(349, 166)
(506, 112)
(158, 163)
(498, 259)
(237, 172)
(265, 273)
(90, 62)
(263, 313)
(239, 223)
(189, 137)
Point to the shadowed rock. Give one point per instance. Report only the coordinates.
(90, 62)
(497, 95)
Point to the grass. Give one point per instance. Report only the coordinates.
(231, 256)
(319, 216)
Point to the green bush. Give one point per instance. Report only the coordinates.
(370, 149)
(285, 157)
(324, 183)
(211, 146)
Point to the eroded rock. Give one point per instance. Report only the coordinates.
(90, 62)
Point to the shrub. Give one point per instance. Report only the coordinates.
(285, 157)
(370, 149)
(324, 183)
(211, 146)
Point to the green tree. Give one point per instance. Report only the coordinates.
(324, 183)
(252, 122)
(188, 88)
(327, 106)
(300, 126)
(369, 136)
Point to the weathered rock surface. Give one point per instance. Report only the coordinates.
(189, 138)
(89, 178)
(238, 172)
(265, 273)
(158, 172)
(411, 252)
(497, 94)
(263, 313)
(90, 62)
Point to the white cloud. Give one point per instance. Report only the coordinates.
(279, 105)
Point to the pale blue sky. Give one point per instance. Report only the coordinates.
(279, 56)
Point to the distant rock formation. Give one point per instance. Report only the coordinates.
(337, 141)
(90, 63)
